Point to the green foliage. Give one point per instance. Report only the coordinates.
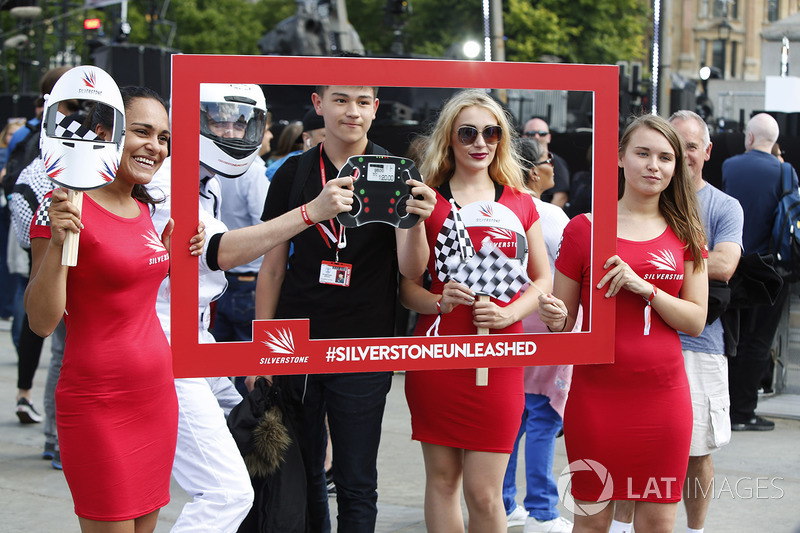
(602, 31)
(583, 31)
(216, 26)
(533, 31)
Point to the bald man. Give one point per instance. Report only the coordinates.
(754, 179)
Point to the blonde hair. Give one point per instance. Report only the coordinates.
(678, 202)
(439, 163)
(12, 124)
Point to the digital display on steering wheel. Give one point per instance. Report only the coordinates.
(381, 192)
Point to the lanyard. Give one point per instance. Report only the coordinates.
(330, 234)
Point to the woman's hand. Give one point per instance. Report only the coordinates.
(553, 312)
(197, 242)
(453, 294)
(621, 276)
(490, 315)
(64, 217)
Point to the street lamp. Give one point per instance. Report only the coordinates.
(724, 30)
(472, 49)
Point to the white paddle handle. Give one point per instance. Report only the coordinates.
(69, 253)
(482, 374)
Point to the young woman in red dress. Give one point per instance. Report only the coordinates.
(467, 432)
(630, 421)
(116, 408)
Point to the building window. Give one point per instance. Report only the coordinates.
(704, 9)
(773, 8)
(718, 55)
(726, 9)
(703, 52)
(733, 58)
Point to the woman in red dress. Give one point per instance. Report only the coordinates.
(117, 413)
(467, 431)
(628, 424)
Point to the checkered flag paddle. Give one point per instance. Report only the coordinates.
(489, 272)
(67, 128)
(452, 242)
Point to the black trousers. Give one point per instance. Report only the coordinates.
(758, 326)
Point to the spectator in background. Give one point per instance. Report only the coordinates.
(313, 134)
(754, 179)
(536, 128)
(8, 283)
(546, 387)
(290, 140)
(704, 356)
(777, 152)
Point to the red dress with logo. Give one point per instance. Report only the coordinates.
(628, 424)
(447, 407)
(116, 408)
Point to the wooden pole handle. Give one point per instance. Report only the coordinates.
(482, 374)
(69, 253)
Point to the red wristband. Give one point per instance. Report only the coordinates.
(652, 294)
(304, 212)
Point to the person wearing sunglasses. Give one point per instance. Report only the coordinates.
(537, 129)
(467, 431)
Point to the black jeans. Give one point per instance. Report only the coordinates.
(354, 404)
(758, 326)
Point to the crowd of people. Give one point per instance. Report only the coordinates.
(267, 237)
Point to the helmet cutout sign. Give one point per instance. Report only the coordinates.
(233, 118)
(74, 156)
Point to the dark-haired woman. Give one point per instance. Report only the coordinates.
(116, 406)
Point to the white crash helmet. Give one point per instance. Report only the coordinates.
(245, 108)
(74, 157)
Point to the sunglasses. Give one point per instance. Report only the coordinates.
(534, 133)
(548, 161)
(490, 134)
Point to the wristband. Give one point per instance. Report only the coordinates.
(562, 328)
(652, 294)
(304, 212)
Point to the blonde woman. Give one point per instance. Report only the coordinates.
(467, 432)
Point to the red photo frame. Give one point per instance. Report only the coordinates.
(283, 346)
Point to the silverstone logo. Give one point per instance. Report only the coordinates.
(565, 485)
(89, 79)
(664, 260)
(282, 343)
(487, 212)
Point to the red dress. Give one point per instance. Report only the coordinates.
(634, 416)
(116, 408)
(447, 408)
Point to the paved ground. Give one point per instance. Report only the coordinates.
(757, 485)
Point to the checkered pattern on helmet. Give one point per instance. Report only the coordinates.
(67, 128)
(490, 272)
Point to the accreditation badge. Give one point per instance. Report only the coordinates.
(334, 273)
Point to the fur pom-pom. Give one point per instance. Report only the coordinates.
(270, 442)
